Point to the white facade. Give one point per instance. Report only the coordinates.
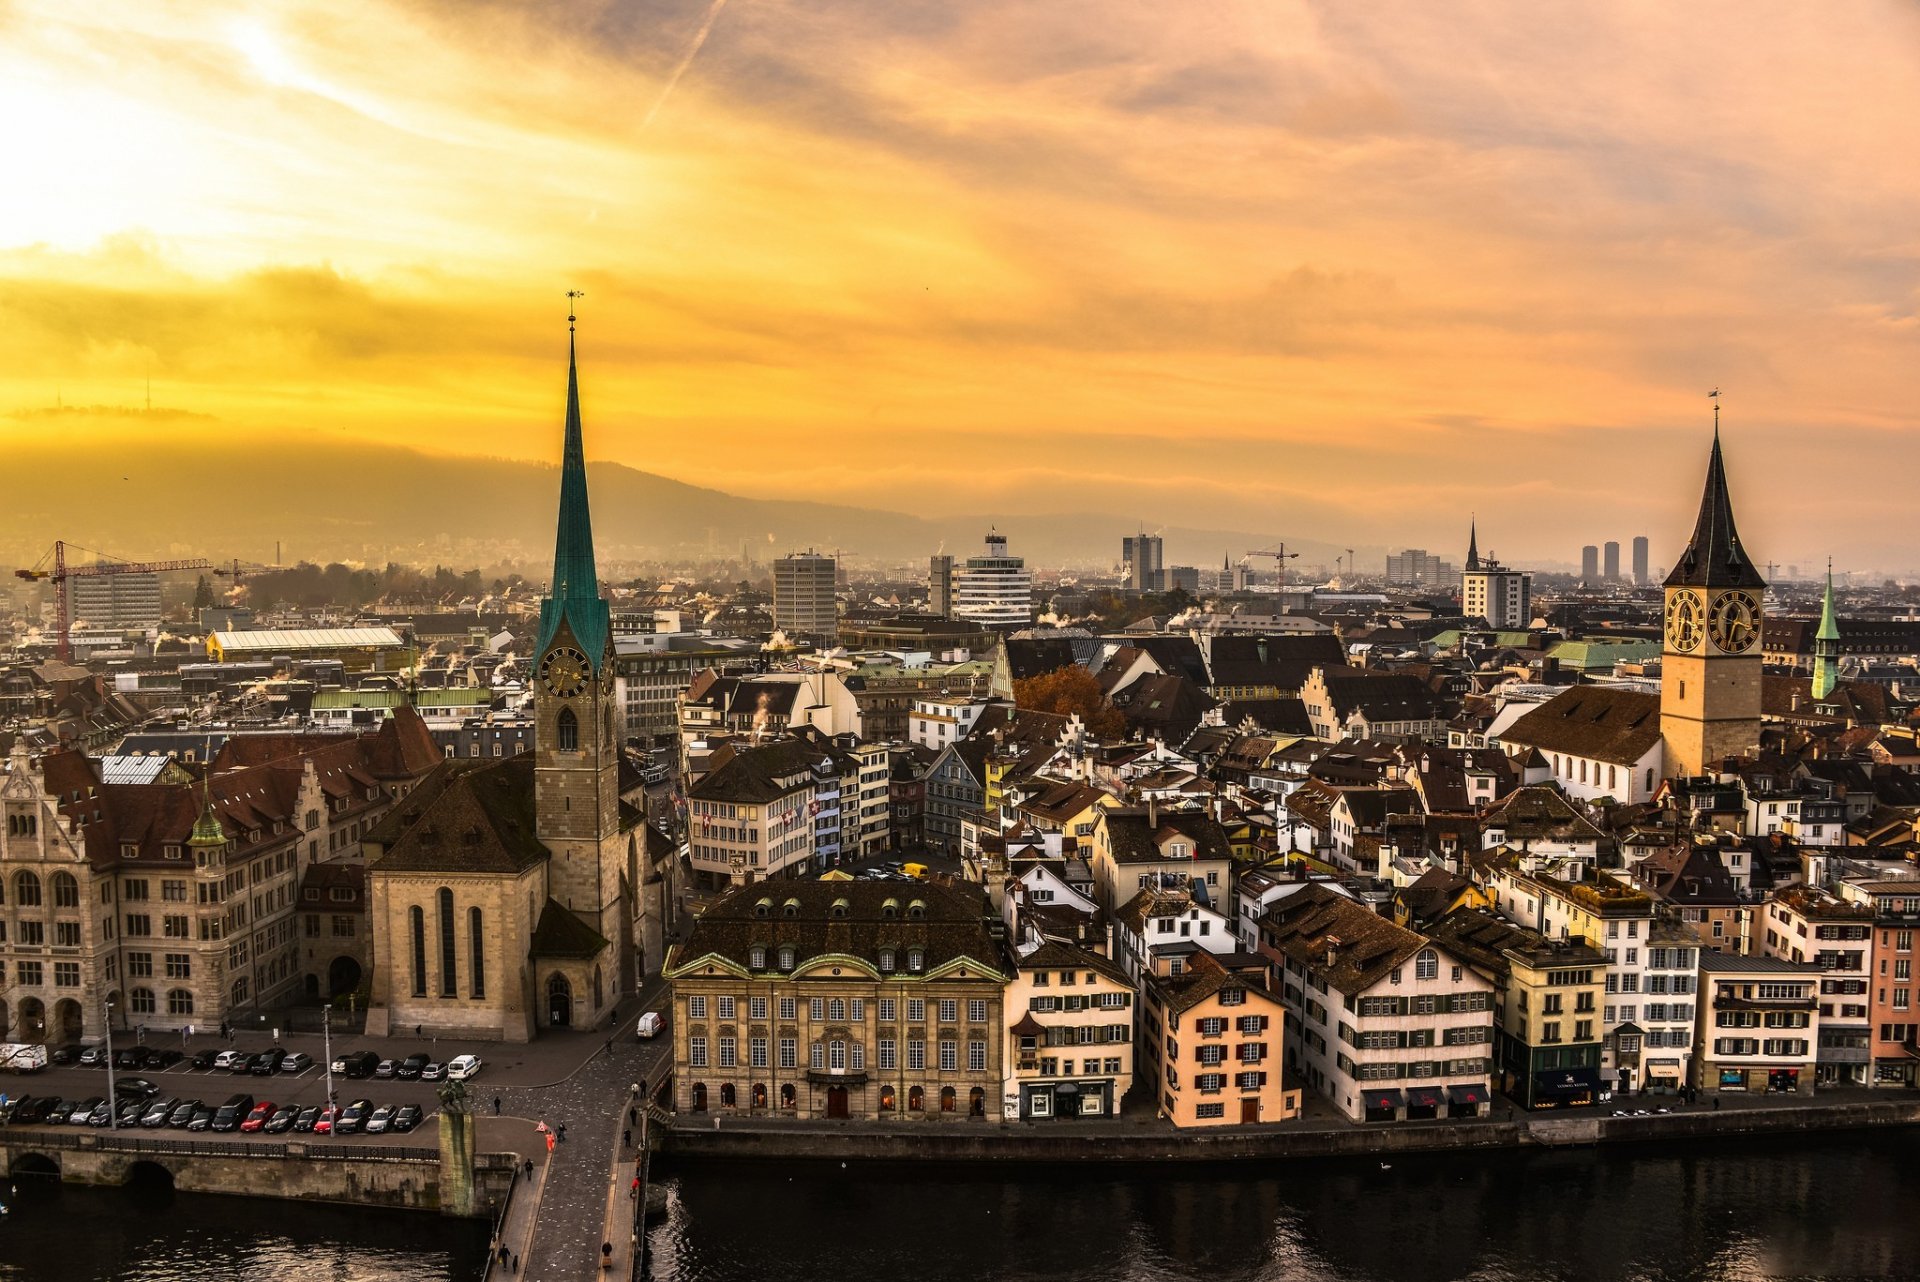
(115, 600)
(939, 722)
(1503, 597)
(803, 596)
(995, 588)
(1589, 778)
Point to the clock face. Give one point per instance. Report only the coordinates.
(1733, 623)
(565, 672)
(1683, 621)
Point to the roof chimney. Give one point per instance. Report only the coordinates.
(1333, 946)
(1153, 814)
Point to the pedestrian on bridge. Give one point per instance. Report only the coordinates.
(496, 1106)
(626, 1139)
(562, 1129)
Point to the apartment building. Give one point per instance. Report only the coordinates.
(1896, 1027)
(1213, 1038)
(798, 805)
(1759, 1024)
(1069, 1048)
(1805, 924)
(852, 999)
(1384, 1023)
(1142, 847)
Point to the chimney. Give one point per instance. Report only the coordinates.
(1153, 814)
(1333, 946)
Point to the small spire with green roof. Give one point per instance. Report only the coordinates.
(1826, 644)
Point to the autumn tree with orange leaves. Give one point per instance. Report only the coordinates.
(1071, 689)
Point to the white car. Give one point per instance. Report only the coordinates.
(650, 1025)
(462, 1067)
(232, 1061)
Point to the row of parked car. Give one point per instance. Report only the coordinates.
(141, 1105)
(415, 1067)
(352, 1064)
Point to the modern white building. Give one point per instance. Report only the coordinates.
(115, 600)
(995, 588)
(1491, 591)
(804, 604)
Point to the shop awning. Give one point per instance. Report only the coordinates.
(1424, 1097)
(1567, 1081)
(1663, 1068)
(1471, 1093)
(1376, 1099)
(1066, 1088)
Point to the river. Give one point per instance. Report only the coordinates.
(1830, 1206)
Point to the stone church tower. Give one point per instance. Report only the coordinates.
(576, 729)
(1711, 668)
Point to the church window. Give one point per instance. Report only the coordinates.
(448, 973)
(477, 966)
(566, 731)
(417, 920)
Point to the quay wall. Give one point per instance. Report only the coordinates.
(740, 1140)
(355, 1175)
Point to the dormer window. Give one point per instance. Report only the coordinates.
(790, 909)
(890, 909)
(916, 960)
(757, 958)
(840, 908)
(764, 908)
(916, 911)
(786, 957)
(886, 961)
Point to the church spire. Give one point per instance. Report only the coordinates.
(1826, 645)
(1473, 543)
(574, 594)
(1714, 557)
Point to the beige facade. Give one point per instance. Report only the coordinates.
(1069, 1049)
(1213, 1045)
(1759, 1025)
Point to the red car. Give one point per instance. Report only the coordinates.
(323, 1125)
(258, 1118)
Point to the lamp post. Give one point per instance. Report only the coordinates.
(326, 1047)
(113, 1093)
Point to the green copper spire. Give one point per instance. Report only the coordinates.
(206, 829)
(574, 595)
(1826, 645)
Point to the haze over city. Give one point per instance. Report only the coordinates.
(1332, 272)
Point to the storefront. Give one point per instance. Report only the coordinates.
(1664, 1076)
(1467, 1101)
(1382, 1105)
(1777, 1081)
(1566, 1088)
(1067, 1099)
(1424, 1102)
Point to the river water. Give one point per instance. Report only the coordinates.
(1829, 1207)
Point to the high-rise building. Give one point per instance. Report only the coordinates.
(1490, 591)
(1141, 554)
(995, 589)
(1417, 568)
(1640, 575)
(115, 600)
(1182, 578)
(1611, 556)
(1710, 668)
(940, 586)
(804, 604)
(1590, 564)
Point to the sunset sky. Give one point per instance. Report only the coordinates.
(1346, 270)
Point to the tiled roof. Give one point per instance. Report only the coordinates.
(470, 815)
(1600, 723)
(1365, 946)
(958, 923)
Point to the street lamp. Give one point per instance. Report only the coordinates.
(113, 1092)
(326, 1047)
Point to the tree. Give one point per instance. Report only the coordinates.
(1069, 690)
(202, 594)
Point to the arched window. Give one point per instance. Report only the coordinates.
(836, 1055)
(566, 731)
(179, 1002)
(916, 1099)
(759, 1094)
(1426, 965)
(786, 957)
(66, 891)
(476, 948)
(949, 1099)
(417, 921)
(599, 990)
(886, 1099)
(726, 1095)
(699, 1097)
(142, 1001)
(26, 890)
(240, 991)
(786, 1096)
(449, 976)
(839, 908)
(916, 911)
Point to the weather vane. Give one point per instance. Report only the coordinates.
(581, 293)
(1714, 396)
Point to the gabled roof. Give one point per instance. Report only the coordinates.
(1132, 839)
(1600, 723)
(561, 934)
(470, 815)
(1316, 924)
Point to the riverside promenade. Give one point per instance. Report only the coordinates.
(1321, 1133)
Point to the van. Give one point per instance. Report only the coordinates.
(650, 1025)
(917, 871)
(356, 1064)
(230, 1114)
(23, 1057)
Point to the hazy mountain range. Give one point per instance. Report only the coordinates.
(373, 503)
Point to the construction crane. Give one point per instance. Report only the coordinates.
(238, 570)
(1280, 557)
(54, 566)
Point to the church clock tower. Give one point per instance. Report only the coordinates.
(1710, 668)
(576, 744)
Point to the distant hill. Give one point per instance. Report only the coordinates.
(351, 501)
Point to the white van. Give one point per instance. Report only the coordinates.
(23, 1057)
(650, 1026)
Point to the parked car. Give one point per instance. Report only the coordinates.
(65, 1056)
(233, 1061)
(128, 1112)
(29, 1109)
(297, 1062)
(410, 1067)
(135, 1087)
(203, 1115)
(433, 1071)
(328, 1119)
(357, 1064)
(377, 1120)
(267, 1062)
(83, 1112)
(386, 1068)
(94, 1057)
(257, 1116)
(281, 1121)
(651, 1025)
(183, 1113)
(463, 1067)
(406, 1118)
(230, 1114)
(132, 1059)
(62, 1110)
(205, 1060)
(163, 1058)
(102, 1114)
(158, 1111)
(353, 1118)
(303, 1124)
